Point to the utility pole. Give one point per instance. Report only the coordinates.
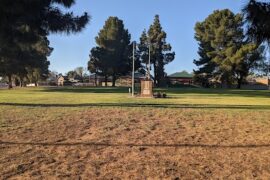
(133, 68)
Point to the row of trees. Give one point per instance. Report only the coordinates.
(113, 54)
(79, 72)
(24, 28)
(227, 52)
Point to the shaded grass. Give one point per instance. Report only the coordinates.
(182, 96)
(143, 105)
(170, 91)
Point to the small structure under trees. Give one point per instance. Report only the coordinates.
(181, 78)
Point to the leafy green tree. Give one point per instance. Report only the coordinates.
(224, 51)
(39, 68)
(112, 55)
(52, 77)
(39, 72)
(247, 58)
(138, 63)
(28, 60)
(161, 51)
(71, 74)
(19, 37)
(34, 75)
(257, 15)
(206, 67)
(143, 51)
(80, 71)
(115, 40)
(99, 63)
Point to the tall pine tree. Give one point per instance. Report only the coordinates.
(206, 67)
(224, 51)
(143, 50)
(112, 56)
(161, 51)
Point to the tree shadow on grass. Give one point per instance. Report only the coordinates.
(169, 91)
(145, 105)
(185, 145)
(86, 89)
(221, 92)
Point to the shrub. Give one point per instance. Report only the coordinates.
(160, 95)
(164, 95)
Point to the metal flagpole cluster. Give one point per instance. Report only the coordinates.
(149, 61)
(267, 55)
(268, 68)
(133, 68)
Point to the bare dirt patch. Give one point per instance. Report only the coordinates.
(134, 143)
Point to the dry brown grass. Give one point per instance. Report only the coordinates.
(134, 143)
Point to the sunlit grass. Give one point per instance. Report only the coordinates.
(120, 95)
(207, 127)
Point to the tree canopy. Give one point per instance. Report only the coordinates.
(161, 51)
(225, 54)
(112, 56)
(24, 27)
(257, 15)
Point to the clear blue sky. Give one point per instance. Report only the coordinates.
(178, 18)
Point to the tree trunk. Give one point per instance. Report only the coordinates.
(113, 81)
(21, 82)
(106, 81)
(9, 82)
(239, 82)
(155, 72)
(228, 83)
(36, 84)
(161, 74)
(96, 80)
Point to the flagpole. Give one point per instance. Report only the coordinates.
(133, 68)
(149, 61)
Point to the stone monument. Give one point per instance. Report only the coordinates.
(147, 85)
(146, 88)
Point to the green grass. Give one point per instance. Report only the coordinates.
(182, 97)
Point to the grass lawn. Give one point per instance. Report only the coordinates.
(119, 96)
(102, 133)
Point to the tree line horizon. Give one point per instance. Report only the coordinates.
(231, 46)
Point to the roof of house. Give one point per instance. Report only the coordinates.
(61, 76)
(93, 76)
(183, 74)
(137, 75)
